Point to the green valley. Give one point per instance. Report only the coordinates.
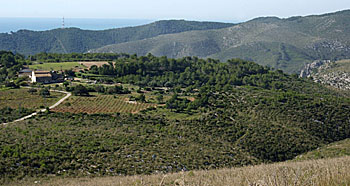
(149, 114)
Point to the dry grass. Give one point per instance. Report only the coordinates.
(312, 172)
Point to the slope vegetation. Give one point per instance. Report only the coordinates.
(280, 43)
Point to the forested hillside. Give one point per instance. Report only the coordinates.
(70, 40)
(241, 114)
(286, 44)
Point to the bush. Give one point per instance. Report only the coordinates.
(45, 93)
(80, 90)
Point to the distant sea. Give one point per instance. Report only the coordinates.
(41, 24)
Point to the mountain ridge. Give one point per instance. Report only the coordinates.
(286, 44)
(77, 40)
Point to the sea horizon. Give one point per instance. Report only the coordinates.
(11, 24)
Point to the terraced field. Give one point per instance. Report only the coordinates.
(102, 104)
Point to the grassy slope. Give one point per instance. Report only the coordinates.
(337, 149)
(281, 43)
(330, 172)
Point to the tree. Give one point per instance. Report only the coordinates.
(69, 73)
(45, 93)
(160, 98)
(65, 84)
(141, 98)
(172, 102)
(80, 90)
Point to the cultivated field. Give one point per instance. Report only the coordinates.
(15, 98)
(58, 66)
(102, 104)
(325, 172)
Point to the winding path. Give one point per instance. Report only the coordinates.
(43, 110)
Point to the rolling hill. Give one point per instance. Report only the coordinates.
(286, 44)
(76, 40)
(242, 114)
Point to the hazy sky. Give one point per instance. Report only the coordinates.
(223, 10)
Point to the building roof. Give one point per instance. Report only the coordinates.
(43, 75)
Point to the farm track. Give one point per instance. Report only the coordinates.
(43, 110)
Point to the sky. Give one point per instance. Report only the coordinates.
(210, 10)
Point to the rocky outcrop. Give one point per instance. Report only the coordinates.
(321, 72)
(310, 69)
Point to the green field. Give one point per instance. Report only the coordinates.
(16, 98)
(57, 66)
